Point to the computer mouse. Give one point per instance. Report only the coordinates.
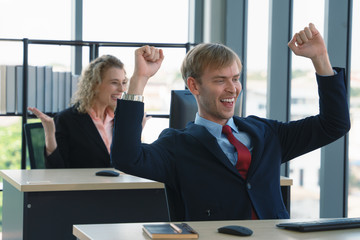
(235, 230)
(107, 173)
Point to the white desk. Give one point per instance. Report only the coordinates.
(262, 229)
(44, 204)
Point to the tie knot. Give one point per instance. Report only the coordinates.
(226, 129)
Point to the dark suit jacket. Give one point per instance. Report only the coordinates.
(79, 142)
(201, 179)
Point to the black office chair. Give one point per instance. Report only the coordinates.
(35, 141)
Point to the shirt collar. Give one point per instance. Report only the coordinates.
(109, 114)
(214, 128)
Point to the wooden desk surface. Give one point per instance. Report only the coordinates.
(73, 180)
(285, 181)
(263, 229)
(80, 179)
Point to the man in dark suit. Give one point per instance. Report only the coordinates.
(198, 164)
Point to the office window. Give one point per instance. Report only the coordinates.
(257, 55)
(354, 141)
(157, 21)
(136, 20)
(304, 170)
(37, 19)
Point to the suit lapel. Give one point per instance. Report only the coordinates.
(210, 142)
(89, 129)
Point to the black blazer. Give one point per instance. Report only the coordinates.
(202, 182)
(79, 142)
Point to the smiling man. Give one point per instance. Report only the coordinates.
(224, 167)
(214, 81)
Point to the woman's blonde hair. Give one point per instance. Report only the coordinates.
(90, 79)
(205, 55)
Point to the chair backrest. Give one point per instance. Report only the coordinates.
(183, 108)
(35, 141)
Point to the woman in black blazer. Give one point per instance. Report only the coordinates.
(80, 136)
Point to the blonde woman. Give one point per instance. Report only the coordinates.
(81, 135)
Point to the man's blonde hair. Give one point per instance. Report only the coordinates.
(206, 55)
